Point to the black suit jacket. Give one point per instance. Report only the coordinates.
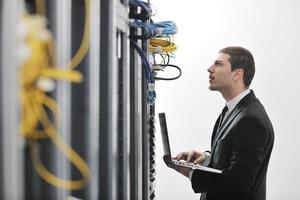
(242, 151)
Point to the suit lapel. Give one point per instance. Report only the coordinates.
(238, 108)
(227, 121)
(214, 133)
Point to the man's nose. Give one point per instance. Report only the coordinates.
(210, 69)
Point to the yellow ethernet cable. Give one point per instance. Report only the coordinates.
(35, 123)
(84, 45)
(161, 45)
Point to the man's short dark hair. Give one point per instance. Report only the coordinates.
(241, 58)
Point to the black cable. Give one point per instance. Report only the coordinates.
(169, 79)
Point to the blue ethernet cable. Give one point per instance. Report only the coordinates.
(164, 28)
(152, 30)
(148, 32)
(151, 94)
(145, 62)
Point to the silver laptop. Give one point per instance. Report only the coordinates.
(167, 151)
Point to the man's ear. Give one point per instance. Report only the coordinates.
(239, 74)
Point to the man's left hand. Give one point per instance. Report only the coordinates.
(183, 170)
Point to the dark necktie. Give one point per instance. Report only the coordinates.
(225, 109)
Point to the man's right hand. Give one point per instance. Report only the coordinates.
(192, 156)
(181, 169)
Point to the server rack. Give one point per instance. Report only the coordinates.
(60, 15)
(136, 126)
(1, 158)
(106, 118)
(142, 124)
(114, 81)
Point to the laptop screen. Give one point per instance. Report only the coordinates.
(164, 133)
(167, 151)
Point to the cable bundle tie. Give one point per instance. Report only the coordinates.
(45, 84)
(158, 49)
(159, 32)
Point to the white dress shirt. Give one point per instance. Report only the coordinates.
(233, 102)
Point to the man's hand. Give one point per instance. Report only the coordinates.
(183, 170)
(192, 156)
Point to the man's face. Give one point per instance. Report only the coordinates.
(220, 75)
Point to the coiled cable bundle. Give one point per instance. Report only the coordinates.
(36, 77)
(161, 43)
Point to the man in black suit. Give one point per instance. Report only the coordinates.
(242, 138)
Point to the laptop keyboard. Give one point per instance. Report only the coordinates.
(195, 166)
